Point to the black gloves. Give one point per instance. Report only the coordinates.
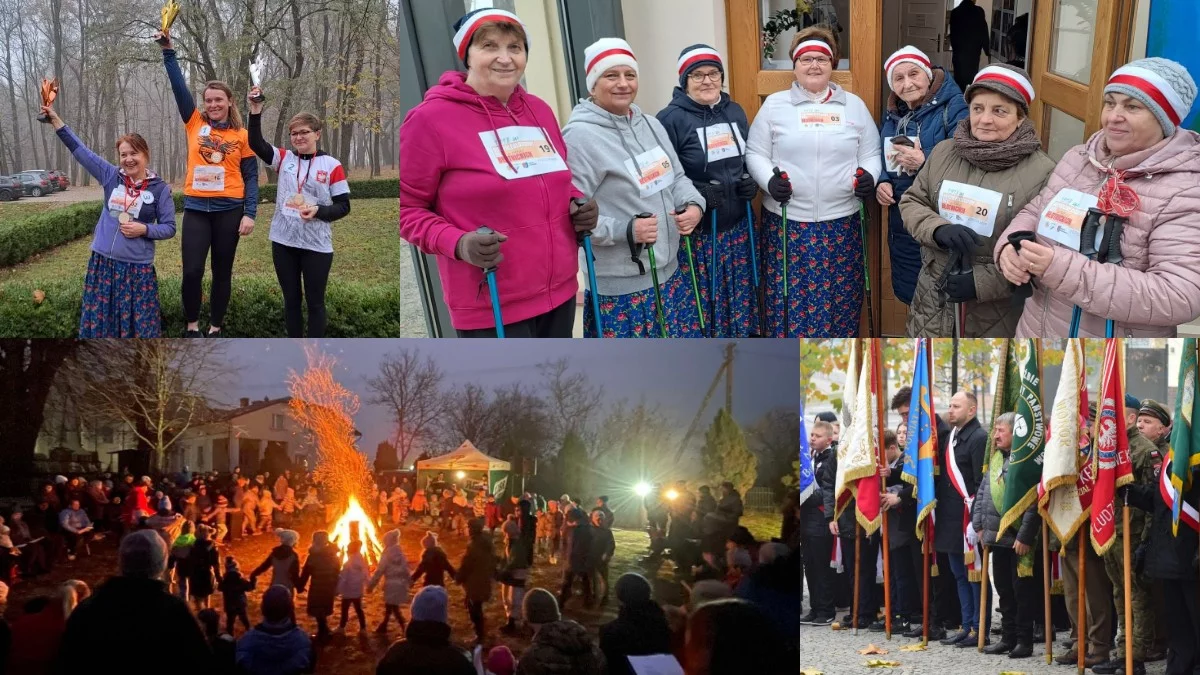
(780, 188)
(960, 287)
(585, 218)
(713, 193)
(864, 184)
(747, 189)
(954, 237)
(480, 250)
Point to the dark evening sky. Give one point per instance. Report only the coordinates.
(673, 373)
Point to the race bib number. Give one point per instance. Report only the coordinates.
(527, 149)
(724, 140)
(971, 206)
(208, 178)
(891, 155)
(651, 170)
(120, 201)
(821, 118)
(1062, 219)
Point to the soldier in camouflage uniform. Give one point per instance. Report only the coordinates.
(1141, 454)
(1155, 423)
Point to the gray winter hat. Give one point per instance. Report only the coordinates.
(1008, 81)
(1162, 85)
(143, 554)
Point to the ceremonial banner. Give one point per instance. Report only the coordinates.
(856, 449)
(808, 479)
(920, 456)
(1067, 446)
(1110, 461)
(1029, 434)
(1185, 440)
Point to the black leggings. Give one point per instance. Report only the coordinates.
(202, 230)
(291, 266)
(357, 603)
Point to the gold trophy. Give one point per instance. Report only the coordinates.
(170, 10)
(49, 92)
(256, 73)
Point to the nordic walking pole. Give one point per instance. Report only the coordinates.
(783, 234)
(687, 242)
(590, 258)
(750, 231)
(658, 304)
(1046, 594)
(862, 221)
(490, 275)
(1128, 585)
(714, 266)
(983, 589)
(857, 572)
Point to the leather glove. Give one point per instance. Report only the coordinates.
(586, 216)
(480, 250)
(955, 237)
(747, 189)
(960, 287)
(864, 184)
(780, 188)
(713, 193)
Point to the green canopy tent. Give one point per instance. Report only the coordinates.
(466, 467)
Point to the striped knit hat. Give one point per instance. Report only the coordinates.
(1008, 81)
(464, 28)
(695, 56)
(606, 53)
(908, 54)
(1162, 85)
(811, 46)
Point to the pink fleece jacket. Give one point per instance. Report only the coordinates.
(449, 186)
(1157, 286)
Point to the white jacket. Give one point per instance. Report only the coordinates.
(820, 164)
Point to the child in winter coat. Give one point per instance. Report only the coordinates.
(384, 509)
(276, 646)
(322, 568)
(393, 569)
(400, 506)
(233, 589)
(286, 514)
(491, 512)
(545, 527)
(419, 504)
(250, 512)
(434, 563)
(266, 511)
(435, 509)
(351, 584)
(283, 561)
(203, 566)
(178, 561)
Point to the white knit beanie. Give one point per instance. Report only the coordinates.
(908, 54)
(1162, 85)
(606, 53)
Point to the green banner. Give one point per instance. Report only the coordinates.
(1029, 432)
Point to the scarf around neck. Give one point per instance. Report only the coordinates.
(999, 156)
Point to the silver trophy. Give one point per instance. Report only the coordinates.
(256, 71)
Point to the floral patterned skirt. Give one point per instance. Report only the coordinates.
(120, 300)
(733, 310)
(824, 284)
(634, 315)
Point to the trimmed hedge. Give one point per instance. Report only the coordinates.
(23, 238)
(255, 309)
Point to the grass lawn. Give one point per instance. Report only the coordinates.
(365, 244)
(28, 206)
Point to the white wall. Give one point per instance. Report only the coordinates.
(546, 72)
(658, 30)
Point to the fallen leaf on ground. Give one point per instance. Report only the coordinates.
(835, 626)
(914, 648)
(872, 649)
(38, 296)
(880, 663)
(811, 672)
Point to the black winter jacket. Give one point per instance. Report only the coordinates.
(968, 455)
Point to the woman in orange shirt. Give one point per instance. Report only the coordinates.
(220, 192)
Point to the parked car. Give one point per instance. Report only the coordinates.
(51, 181)
(10, 188)
(35, 185)
(61, 177)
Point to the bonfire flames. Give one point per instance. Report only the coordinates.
(326, 409)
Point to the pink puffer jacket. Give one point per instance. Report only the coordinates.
(1157, 287)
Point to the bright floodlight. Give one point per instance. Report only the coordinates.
(461, 475)
(642, 489)
(672, 495)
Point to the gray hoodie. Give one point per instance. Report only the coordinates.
(599, 143)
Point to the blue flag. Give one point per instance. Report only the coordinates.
(808, 480)
(920, 455)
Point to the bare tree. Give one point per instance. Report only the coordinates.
(411, 388)
(467, 414)
(573, 401)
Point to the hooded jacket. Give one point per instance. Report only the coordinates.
(688, 125)
(426, 649)
(153, 207)
(393, 569)
(322, 568)
(275, 650)
(353, 578)
(603, 148)
(1157, 286)
(562, 648)
(821, 165)
(449, 186)
(639, 629)
(284, 565)
(933, 122)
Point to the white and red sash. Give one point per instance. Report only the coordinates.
(1187, 512)
(971, 553)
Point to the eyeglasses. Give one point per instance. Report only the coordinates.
(303, 132)
(819, 60)
(700, 77)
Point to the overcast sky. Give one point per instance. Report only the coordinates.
(673, 373)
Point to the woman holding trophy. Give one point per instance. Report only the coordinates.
(120, 291)
(312, 193)
(220, 190)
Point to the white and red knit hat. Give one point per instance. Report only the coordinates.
(908, 54)
(1008, 81)
(464, 28)
(811, 46)
(606, 53)
(1162, 85)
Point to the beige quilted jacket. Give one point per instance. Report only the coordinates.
(1157, 287)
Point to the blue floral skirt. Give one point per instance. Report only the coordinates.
(634, 316)
(733, 311)
(120, 300)
(824, 278)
